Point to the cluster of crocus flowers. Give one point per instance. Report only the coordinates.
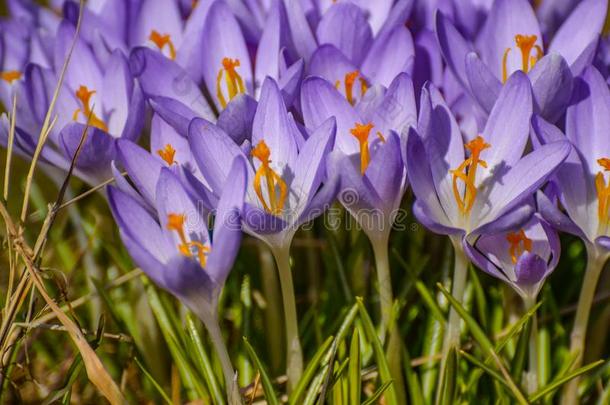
(266, 113)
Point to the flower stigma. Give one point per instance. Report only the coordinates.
(519, 243)
(349, 81)
(525, 43)
(235, 83)
(10, 76)
(603, 192)
(467, 172)
(162, 40)
(175, 222)
(274, 181)
(83, 94)
(167, 154)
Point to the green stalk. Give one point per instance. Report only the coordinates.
(294, 353)
(458, 285)
(532, 374)
(595, 264)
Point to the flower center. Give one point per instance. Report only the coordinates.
(603, 191)
(519, 243)
(361, 132)
(277, 198)
(162, 40)
(10, 76)
(175, 222)
(167, 153)
(83, 94)
(467, 172)
(234, 82)
(349, 81)
(525, 43)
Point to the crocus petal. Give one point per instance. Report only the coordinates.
(97, 151)
(344, 25)
(582, 26)
(551, 213)
(326, 194)
(290, 82)
(188, 54)
(304, 40)
(484, 85)
(530, 269)
(453, 47)
(257, 221)
(222, 38)
(397, 16)
(212, 149)
(184, 277)
(397, 110)
(271, 124)
(142, 167)
(507, 129)
(391, 54)
(138, 224)
(320, 100)
(236, 120)
(116, 92)
(588, 118)
(137, 115)
(386, 171)
(586, 58)
(552, 86)
(162, 134)
(377, 12)
(163, 17)
(603, 241)
(509, 221)
(310, 166)
(507, 18)
(483, 261)
(122, 184)
(174, 112)
(160, 76)
(511, 188)
(227, 225)
(429, 220)
(329, 63)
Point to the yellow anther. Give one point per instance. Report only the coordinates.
(380, 136)
(361, 132)
(167, 153)
(10, 76)
(162, 40)
(235, 83)
(467, 172)
(277, 198)
(175, 222)
(83, 94)
(519, 243)
(525, 43)
(603, 192)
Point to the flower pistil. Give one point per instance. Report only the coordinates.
(83, 94)
(274, 181)
(525, 43)
(467, 172)
(163, 40)
(175, 222)
(235, 83)
(519, 243)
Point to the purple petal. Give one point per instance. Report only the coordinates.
(551, 213)
(290, 82)
(344, 25)
(386, 171)
(237, 118)
(484, 85)
(329, 63)
(304, 40)
(260, 222)
(583, 25)
(453, 47)
(391, 54)
(97, 152)
(552, 86)
(430, 220)
(509, 221)
(530, 269)
(174, 112)
(397, 110)
(143, 168)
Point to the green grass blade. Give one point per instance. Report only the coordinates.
(413, 384)
(314, 388)
(155, 384)
(310, 371)
(267, 385)
(518, 361)
(448, 390)
(382, 364)
(202, 360)
(554, 385)
(430, 302)
(355, 380)
(377, 394)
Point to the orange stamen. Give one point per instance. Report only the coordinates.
(83, 94)
(10, 76)
(361, 132)
(161, 40)
(467, 172)
(350, 80)
(234, 82)
(167, 153)
(525, 43)
(519, 243)
(276, 200)
(603, 192)
(175, 222)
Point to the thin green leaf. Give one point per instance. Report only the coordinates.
(377, 394)
(382, 364)
(315, 386)
(267, 385)
(202, 360)
(518, 361)
(413, 384)
(310, 371)
(154, 382)
(554, 385)
(479, 295)
(355, 380)
(430, 302)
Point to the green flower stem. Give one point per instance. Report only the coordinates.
(595, 263)
(231, 386)
(294, 355)
(458, 285)
(532, 374)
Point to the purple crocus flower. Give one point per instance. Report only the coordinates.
(522, 258)
(173, 246)
(478, 187)
(511, 40)
(284, 186)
